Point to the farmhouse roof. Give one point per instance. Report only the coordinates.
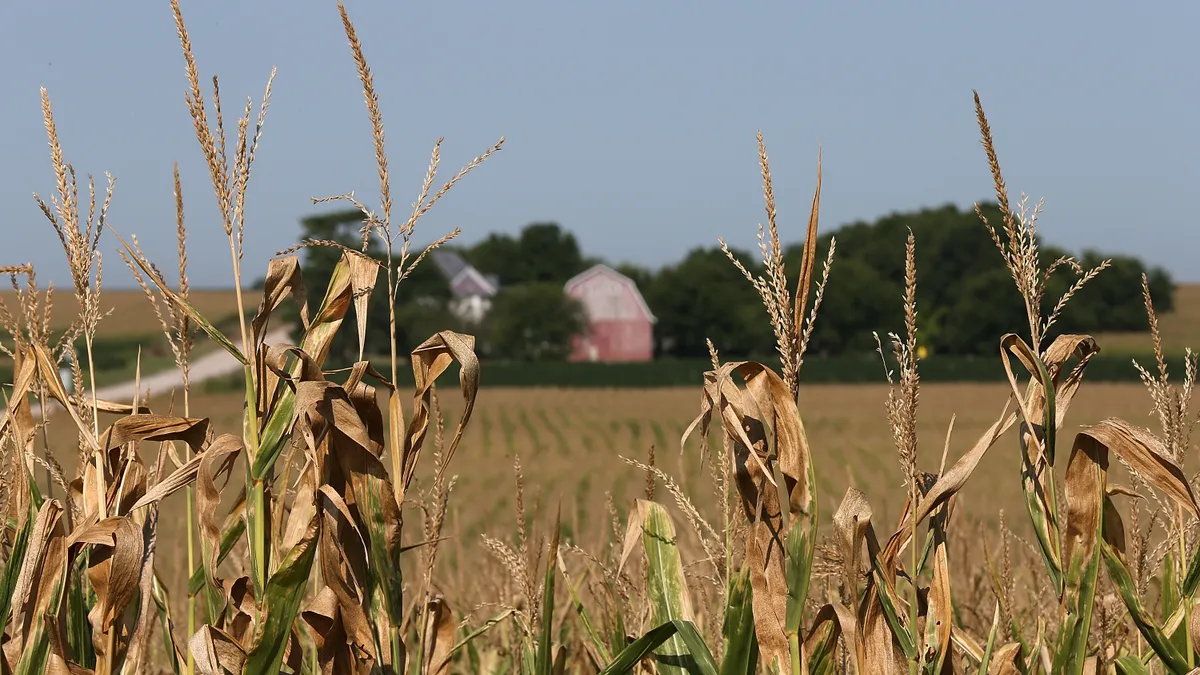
(602, 270)
(464, 279)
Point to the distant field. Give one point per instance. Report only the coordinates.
(1180, 329)
(131, 315)
(570, 442)
(131, 312)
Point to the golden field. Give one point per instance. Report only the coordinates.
(130, 311)
(570, 443)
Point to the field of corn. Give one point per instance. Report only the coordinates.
(312, 524)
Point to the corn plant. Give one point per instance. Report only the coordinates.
(319, 516)
(296, 542)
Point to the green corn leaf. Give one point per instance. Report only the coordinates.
(36, 657)
(234, 529)
(741, 642)
(986, 661)
(1130, 665)
(700, 663)
(890, 603)
(1191, 580)
(275, 435)
(589, 626)
(822, 642)
(166, 626)
(280, 603)
(667, 587)
(1170, 593)
(801, 546)
(79, 629)
(545, 652)
(1144, 621)
(699, 660)
(9, 578)
(640, 648)
(529, 659)
(469, 638)
(1040, 500)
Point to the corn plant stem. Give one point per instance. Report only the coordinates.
(392, 315)
(258, 502)
(397, 645)
(258, 490)
(397, 468)
(1187, 603)
(191, 537)
(794, 648)
(912, 556)
(101, 488)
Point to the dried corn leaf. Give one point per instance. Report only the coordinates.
(284, 278)
(38, 589)
(50, 376)
(953, 480)
(939, 617)
(362, 282)
(360, 477)
(114, 571)
(1007, 661)
(1044, 406)
(216, 653)
(429, 361)
(136, 428)
(852, 525)
(338, 298)
(1086, 479)
(1145, 454)
(439, 637)
(763, 425)
(335, 652)
(217, 460)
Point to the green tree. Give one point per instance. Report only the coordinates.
(965, 295)
(543, 252)
(1112, 301)
(533, 321)
(498, 254)
(705, 297)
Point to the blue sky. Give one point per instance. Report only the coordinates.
(631, 123)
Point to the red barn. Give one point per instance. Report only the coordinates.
(620, 327)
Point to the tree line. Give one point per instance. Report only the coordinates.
(965, 294)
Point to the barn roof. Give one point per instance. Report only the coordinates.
(602, 270)
(464, 279)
